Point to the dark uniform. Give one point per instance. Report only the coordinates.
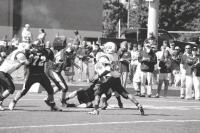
(36, 72)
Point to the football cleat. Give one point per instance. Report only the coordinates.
(63, 102)
(141, 110)
(52, 105)
(55, 108)
(12, 105)
(94, 112)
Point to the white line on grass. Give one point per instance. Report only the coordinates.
(100, 123)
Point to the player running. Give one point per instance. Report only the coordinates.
(35, 73)
(11, 63)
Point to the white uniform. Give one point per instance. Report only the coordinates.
(114, 67)
(13, 61)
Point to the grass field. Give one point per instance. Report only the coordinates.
(163, 115)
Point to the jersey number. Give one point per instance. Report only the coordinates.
(38, 61)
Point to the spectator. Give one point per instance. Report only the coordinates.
(148, 60)
(176, 60)
(26, 34)
(124, 58)
(133, 64)
(83, 58)
(185, 69)
(196, 76)
(172, 47)
(137, 75)
(164, 73)
(42, 35)
(165, 45)
(77, 38)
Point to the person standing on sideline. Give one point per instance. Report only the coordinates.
(185, 70)
(137, 75)
(42, 35)
(26, 34)
(196, 76)
(176, 60)
(77, 38)
(124, 58)
(148, 60)
(164, 73)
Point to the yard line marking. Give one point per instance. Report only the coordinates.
(100, 123)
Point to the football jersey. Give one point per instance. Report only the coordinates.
(58, 61)
(12, 61)
(37, 61)
(115, 65)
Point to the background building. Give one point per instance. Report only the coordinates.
(55, 16)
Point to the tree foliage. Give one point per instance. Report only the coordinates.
(112, 12)
(173, 15)
(179, 14)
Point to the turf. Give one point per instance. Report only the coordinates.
(165, 115)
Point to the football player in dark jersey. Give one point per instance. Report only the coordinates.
(36, 73)
(54, 68)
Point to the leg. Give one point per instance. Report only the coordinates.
(166, 82)
(143, 83)
(45, 82)
(7, 86)
(149, 86)
(137, 86)
(189, 84)
(121, 90)
(28, 83)
(183, 85)
(103, 88)
(104, 101)
(196, 81)
(160, 82)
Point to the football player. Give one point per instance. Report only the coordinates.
(54, 72)
(11, 63)
(113, 81)
(35, 73)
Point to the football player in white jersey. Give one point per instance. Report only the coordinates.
(111, 64)
(12, 62)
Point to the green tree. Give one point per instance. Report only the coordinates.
(179, 14)
(113, 10)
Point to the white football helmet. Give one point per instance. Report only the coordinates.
(110, 47)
